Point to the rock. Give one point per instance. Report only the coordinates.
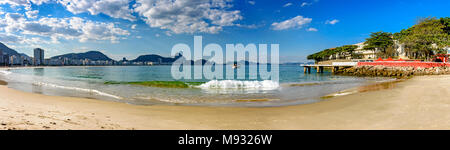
(398, 72)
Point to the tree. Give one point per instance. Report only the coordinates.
(446, 22)
(380, 41)
(428, 37)
(335, 53)
(349, 49)
(407, 45)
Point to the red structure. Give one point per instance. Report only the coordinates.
(390, 59)
(441, 58)
(414, 64)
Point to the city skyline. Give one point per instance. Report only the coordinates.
(129, 28)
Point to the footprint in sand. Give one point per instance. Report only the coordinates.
(81, 117)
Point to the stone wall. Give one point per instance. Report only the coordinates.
(397, 72)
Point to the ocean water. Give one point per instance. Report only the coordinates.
(294, 87)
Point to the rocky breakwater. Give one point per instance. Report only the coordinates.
(389, 71)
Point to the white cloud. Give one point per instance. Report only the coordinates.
(9, 38)
(252, 26)
(312, 29)
(305, 4)
(15, 2)
(188, 16)
(1, 11)
(94, 30)
(112, 8)
(73, 28)
(287, 4)
(176, 16)
(296, 22)
(334, 21)
(32, 14)
(133, 26)
(25, 3)
(36, 40)
(15, 39)
(14, 17)
(39, 2)
(157, 35)
(37, 28)
(11, 22)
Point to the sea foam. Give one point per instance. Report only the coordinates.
(4, 72)
(77, 89)
(235, 84)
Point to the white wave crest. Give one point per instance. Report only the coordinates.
(234, 84)
(4, 72)
(77, 89)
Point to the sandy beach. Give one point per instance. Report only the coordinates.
(418, 103)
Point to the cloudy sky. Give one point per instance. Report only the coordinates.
(128, 28)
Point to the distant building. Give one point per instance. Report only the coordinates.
(399, 48)
(38, 57)
(25, 60)
(1, 57)
(370, 54)
(5, 59)
(14, 60)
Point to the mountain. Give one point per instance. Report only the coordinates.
(91, 55)
(8, 50)
(155, 58)
(165, 60)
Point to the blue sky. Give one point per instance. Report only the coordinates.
(129, 28)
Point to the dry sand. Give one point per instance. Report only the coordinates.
(418, 103)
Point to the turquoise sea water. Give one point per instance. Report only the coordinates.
(293, 88)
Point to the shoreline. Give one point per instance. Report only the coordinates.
(107, 96)
(411, 104)
(383, 85)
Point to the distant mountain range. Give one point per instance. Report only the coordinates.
(163, 60)
(91, 55)
(8, 50)
(297, 63)
(154, 58)
(96, 56)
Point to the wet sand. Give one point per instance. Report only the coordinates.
(3, 82)
(419, 103)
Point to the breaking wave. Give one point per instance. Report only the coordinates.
(77, 89)
(4, 72)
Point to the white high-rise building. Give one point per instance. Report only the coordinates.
(38, 57)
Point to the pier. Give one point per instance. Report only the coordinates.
(334, 66)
